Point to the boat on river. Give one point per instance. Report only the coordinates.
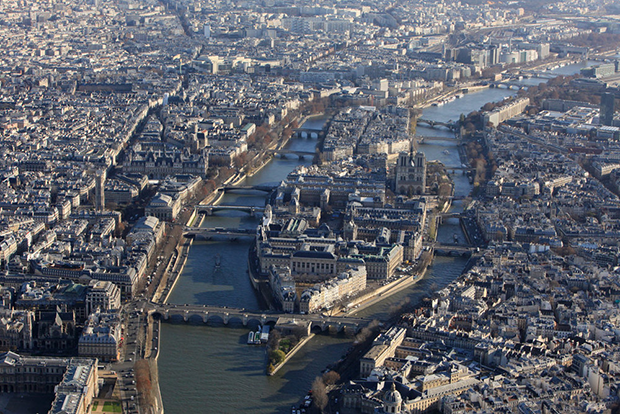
(251, 338)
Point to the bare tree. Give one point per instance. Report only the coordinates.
(331, 377)
(319, 393)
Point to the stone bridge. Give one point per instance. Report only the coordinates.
(208, 232)
(244, 188)
(451, 215)
(449, 249)
(226, 315)
(453, 126)
(308, 133)
(210, 209)
(423, 138)
(515, 85)
(300, 154)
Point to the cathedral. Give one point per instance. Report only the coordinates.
(410, 173)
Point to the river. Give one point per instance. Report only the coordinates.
(211, 369)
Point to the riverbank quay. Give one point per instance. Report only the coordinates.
(381, 293)
(259, 282)
(290, 354)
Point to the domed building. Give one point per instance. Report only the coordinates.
(392, 401)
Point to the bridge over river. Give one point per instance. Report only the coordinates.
(452, 126)
(210, 209)
(227, 315)
(452, 249)
(208, 232)
(245, 188)
(300, 154)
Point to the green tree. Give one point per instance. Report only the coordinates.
(277, 356)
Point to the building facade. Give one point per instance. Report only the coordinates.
(410, 173)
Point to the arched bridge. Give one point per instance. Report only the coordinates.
(449, 249)
(284, 153)
(423, 138)
(207, 232)
(450, 125)
(451, 215)
(242, 188)
(308, 133)
(210, 209)
(515, 85)
(225, 315)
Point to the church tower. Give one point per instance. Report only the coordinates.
(410, 173)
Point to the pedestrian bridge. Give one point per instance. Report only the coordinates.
(210, 209)
(226, 315)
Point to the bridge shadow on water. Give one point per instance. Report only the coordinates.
(205, 282)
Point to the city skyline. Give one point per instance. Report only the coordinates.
(403, 207)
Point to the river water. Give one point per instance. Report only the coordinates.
(210, 368)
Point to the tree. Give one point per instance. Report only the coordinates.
(210, 185)
(274, 339)
(319, 393)
(489, 106)
(143, 381)
(287, 132)
(331, 377)
(121, 229)
(277, 356)
(240, 160)
(285, 345)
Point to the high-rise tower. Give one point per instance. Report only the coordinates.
(608, 101)
(100, 177)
